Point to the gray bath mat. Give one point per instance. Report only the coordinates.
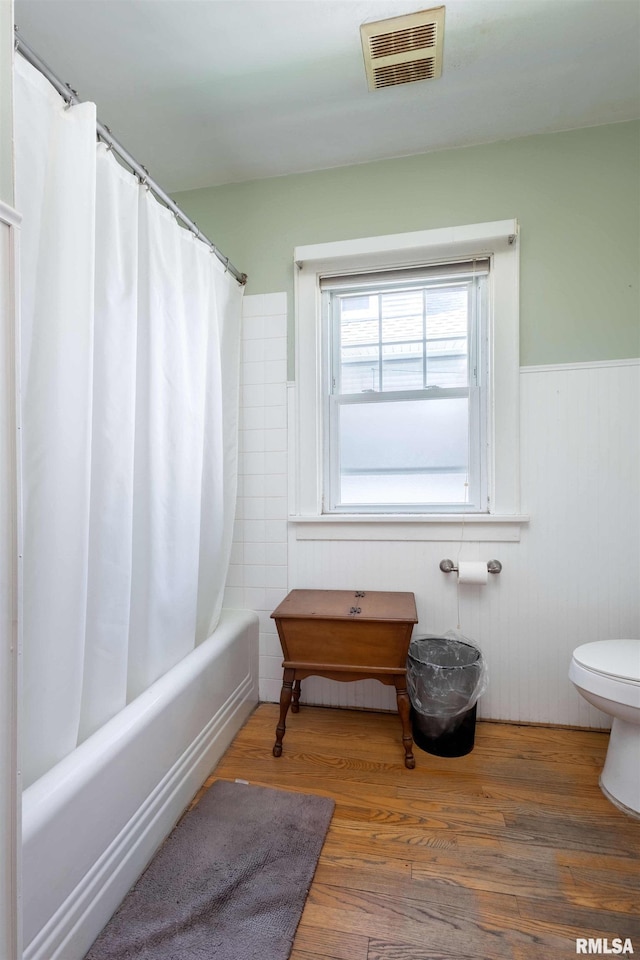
(229, 883)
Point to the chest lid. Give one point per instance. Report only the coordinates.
(348, 604)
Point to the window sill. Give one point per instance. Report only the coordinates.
(456, 527)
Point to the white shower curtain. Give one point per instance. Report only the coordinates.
(130, 333)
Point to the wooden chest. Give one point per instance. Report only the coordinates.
(345, 635)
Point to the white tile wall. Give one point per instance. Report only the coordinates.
(572, 578)
(258, 571)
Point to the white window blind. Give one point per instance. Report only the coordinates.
(405, 389)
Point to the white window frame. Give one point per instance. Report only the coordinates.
(497, 240)
(477, 390)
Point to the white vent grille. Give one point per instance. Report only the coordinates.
(403, 49)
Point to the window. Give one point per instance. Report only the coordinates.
(405, 389)
(405, 402)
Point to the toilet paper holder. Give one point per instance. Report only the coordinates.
(448, 566)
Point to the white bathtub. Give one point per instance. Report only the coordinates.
(92, 824)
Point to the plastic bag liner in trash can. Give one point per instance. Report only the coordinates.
(445, 677)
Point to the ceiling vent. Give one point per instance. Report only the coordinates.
(403, 49)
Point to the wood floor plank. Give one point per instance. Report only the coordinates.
(625, 865)
(385, 870)
(567, 832)
(417, 830)
(436, 888)
(503, 795)
(387, 950)
(305, 955)
(531, 829)
(316, 780)
(314, 942)
(491, 789)
(392, 844)
(530, 733)
(577, 921)
(510, 852)
(601, 885)
(496, 873)
(448, 883)
(425, 814)
(508, 766)
(297, 763)
(441, 925)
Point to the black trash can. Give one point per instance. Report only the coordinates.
(445, 677)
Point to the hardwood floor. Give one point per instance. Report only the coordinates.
(509, 852)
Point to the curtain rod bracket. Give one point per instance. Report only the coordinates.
(104, 140)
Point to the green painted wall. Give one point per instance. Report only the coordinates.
(575, 194)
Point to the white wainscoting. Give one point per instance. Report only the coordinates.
(573, 576)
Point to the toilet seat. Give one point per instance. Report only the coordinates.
(619, 659)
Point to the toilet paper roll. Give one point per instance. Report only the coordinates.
(472, 571)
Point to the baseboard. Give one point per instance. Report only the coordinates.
(393, 711)
(542, 723)
(75, 925)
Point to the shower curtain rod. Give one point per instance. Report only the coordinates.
(71, 97)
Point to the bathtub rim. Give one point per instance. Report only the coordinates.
(51, 791)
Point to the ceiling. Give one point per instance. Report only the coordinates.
(205, 92)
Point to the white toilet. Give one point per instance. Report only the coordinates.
(607, 674)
